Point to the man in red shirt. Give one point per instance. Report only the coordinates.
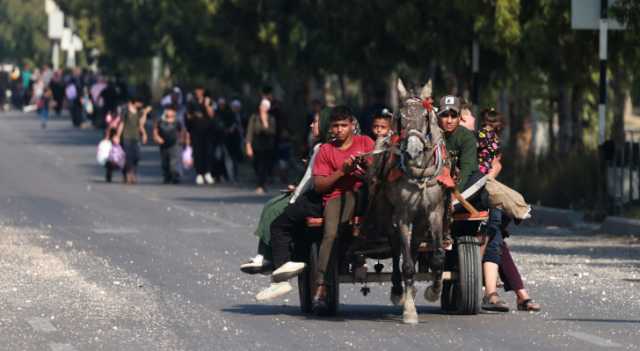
(335, 177)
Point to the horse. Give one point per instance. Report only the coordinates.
(414, 198)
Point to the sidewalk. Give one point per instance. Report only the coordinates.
(549, 216)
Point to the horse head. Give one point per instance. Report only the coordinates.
(419, 124)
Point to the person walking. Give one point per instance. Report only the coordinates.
(260, 143)
(168, 134)
(131, 132)
(231, 151)
(72, 94)
(200, 126)
(43, 104)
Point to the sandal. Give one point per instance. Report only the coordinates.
(498, 306)
(529, 305)
(319, 301)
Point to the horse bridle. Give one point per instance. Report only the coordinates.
(422, 179)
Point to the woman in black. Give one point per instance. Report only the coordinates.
(200, 127)
(261, 142)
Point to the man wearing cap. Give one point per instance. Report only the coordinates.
(461, 143)
(462, 149)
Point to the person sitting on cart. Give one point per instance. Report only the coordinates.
(281, 218)
(335, 176)
(461, 145)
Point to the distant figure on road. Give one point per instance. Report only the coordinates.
(199, 123)
(57, 88)
(260, 143)
(131, 132)
(168, 134)
(43, 107)
(232, 127)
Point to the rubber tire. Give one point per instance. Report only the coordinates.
(306, 281)
(447, 298)
(467, 289)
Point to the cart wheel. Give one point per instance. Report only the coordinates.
(447, 299)
(306, 279)
(467, 289)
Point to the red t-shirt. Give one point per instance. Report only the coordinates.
(330, 158)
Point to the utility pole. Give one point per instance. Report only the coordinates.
(475, 69)
(602, 103)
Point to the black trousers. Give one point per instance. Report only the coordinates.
(291, 224)
(201, 155)
(169, 157)
(262, 165)
(75, 109)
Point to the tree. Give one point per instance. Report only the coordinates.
(23, 32)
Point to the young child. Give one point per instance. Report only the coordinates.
(380, 130)
(489, 139)
(112, 121)
(167, 133)
(381, 125)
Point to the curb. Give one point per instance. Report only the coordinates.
(620, 226)
(549, 216)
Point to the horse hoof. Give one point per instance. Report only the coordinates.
(431, 294)
(397, 300)
(397, 296)
(410, 318)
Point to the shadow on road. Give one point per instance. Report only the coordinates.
(594, 320)
(376, 313)
(238, 199)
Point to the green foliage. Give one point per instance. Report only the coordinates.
(23, 32)
(559, 181)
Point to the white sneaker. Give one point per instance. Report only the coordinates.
(274, 290)
(199, 179)
(209, 179)
(287, 271)
(257, 265)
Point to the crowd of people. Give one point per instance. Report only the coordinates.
(213, 133)
(197, 131)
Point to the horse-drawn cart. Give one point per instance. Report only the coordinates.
(408, 180)
(462, 277)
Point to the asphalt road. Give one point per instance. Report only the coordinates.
(87, 265)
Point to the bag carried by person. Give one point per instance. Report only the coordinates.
(117, 156)
(509, 200)
(88, 106)
(187, 157)
(104, 150)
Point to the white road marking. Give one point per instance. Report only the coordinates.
(596, 340)
(115, 230)
(61, 347)
(199, 230)
(41, 324)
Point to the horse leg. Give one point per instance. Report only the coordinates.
(396, 279)
(410, 314)
(437, 256)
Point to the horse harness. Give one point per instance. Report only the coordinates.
(394, 163)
